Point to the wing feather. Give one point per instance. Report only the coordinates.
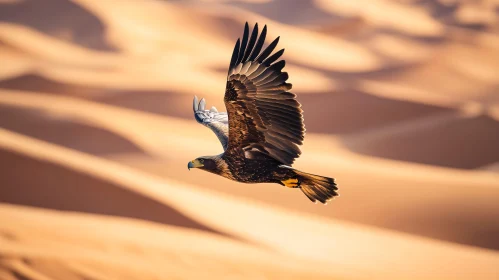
(259, 44)
(267, 51)
(235, 54)
(243, 44)
(251, 43)
(273, 58)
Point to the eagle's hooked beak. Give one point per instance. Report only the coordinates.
(194, 164)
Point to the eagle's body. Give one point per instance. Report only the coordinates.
(259, 170)
(263, 127)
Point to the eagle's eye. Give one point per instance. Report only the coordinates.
(201, 160)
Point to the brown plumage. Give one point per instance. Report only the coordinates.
(263, 127)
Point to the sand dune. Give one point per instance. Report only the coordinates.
(47, 187)
(449, 143)
(96, 128)
(264, 224)
(378, 192)
(88, 31)
(99, 247)
(39, 124)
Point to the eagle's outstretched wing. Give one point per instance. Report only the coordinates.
(264, 118)
(216, 121)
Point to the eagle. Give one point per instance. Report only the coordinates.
(263, 127)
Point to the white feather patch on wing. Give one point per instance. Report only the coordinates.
(218, 122)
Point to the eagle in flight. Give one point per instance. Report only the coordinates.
(263, 126)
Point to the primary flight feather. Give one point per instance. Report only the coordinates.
(263, 127)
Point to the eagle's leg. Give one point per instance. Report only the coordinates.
(286, 177)
(291, 183)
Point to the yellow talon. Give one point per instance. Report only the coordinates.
(290, 183)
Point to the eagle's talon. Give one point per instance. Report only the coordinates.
(291, 183)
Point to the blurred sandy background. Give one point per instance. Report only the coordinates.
(401, 102)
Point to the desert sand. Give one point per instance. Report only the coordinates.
(400, 103)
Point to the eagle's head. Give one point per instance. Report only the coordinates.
(205, 163)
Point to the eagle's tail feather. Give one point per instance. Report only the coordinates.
(317, 188)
